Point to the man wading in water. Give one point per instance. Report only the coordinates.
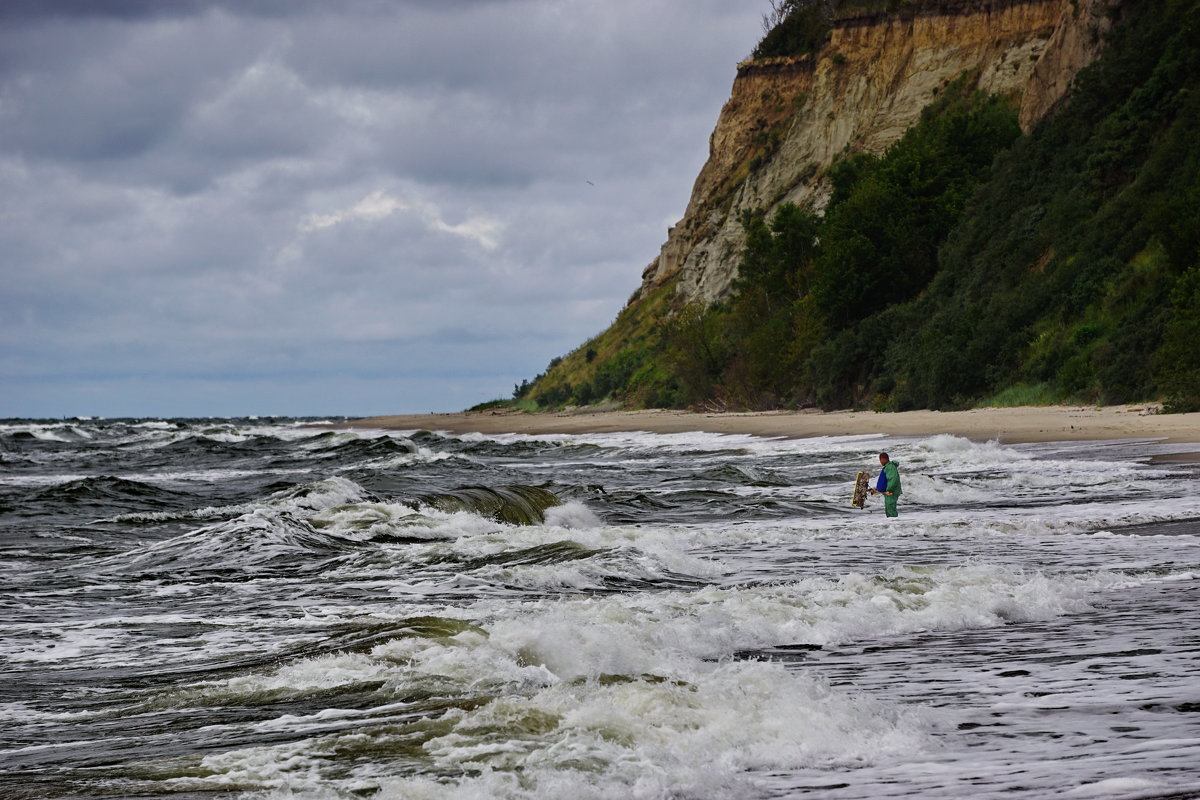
(888, 485)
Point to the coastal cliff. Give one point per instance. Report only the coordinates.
(938, 205)
(788, 119)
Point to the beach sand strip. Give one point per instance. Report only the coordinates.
(1005, 425)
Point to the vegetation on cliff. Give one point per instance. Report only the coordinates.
(1075, 268)
(806, 281)
(802, 27)
(794, 28)
(967, 263)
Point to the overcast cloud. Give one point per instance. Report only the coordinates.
(285, 207)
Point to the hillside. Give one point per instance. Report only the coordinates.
(930, 204)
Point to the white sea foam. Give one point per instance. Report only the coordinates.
(317, 496)
(676, 633)
(422, 455)
(668, 738)
(572, 514)
(51, 434)
(1120, 787)
(696, 442)
(674, 717)
(959, 449)
(60, 645)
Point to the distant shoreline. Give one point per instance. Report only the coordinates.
(1006, 425)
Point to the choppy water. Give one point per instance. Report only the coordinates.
(225, 608)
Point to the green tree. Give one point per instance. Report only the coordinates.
(695, 350)
(1178, 360)
(889, 215)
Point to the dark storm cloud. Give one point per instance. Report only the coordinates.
(32, 12)
(382, 193)
(129, 10)
(108, 91)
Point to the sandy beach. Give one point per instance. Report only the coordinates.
(1006, 425)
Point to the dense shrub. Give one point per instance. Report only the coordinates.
(795, 27)
(1178, 362)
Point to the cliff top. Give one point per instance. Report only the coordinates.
(801, 27)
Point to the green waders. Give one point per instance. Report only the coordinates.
(893, 486)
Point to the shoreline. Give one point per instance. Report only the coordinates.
(1018, 425)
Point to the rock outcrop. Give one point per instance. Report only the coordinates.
(1076, 42)
(788, 119)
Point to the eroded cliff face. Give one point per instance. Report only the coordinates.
(1076, 42)
(787, 120)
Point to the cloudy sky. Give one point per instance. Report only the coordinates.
(335, 206)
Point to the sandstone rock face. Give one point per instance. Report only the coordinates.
(787, 119)
(1076, 42)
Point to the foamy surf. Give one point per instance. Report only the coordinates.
(263, 610)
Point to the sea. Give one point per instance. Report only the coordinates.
(271, 608)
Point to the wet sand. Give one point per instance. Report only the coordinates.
(1006, 425)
